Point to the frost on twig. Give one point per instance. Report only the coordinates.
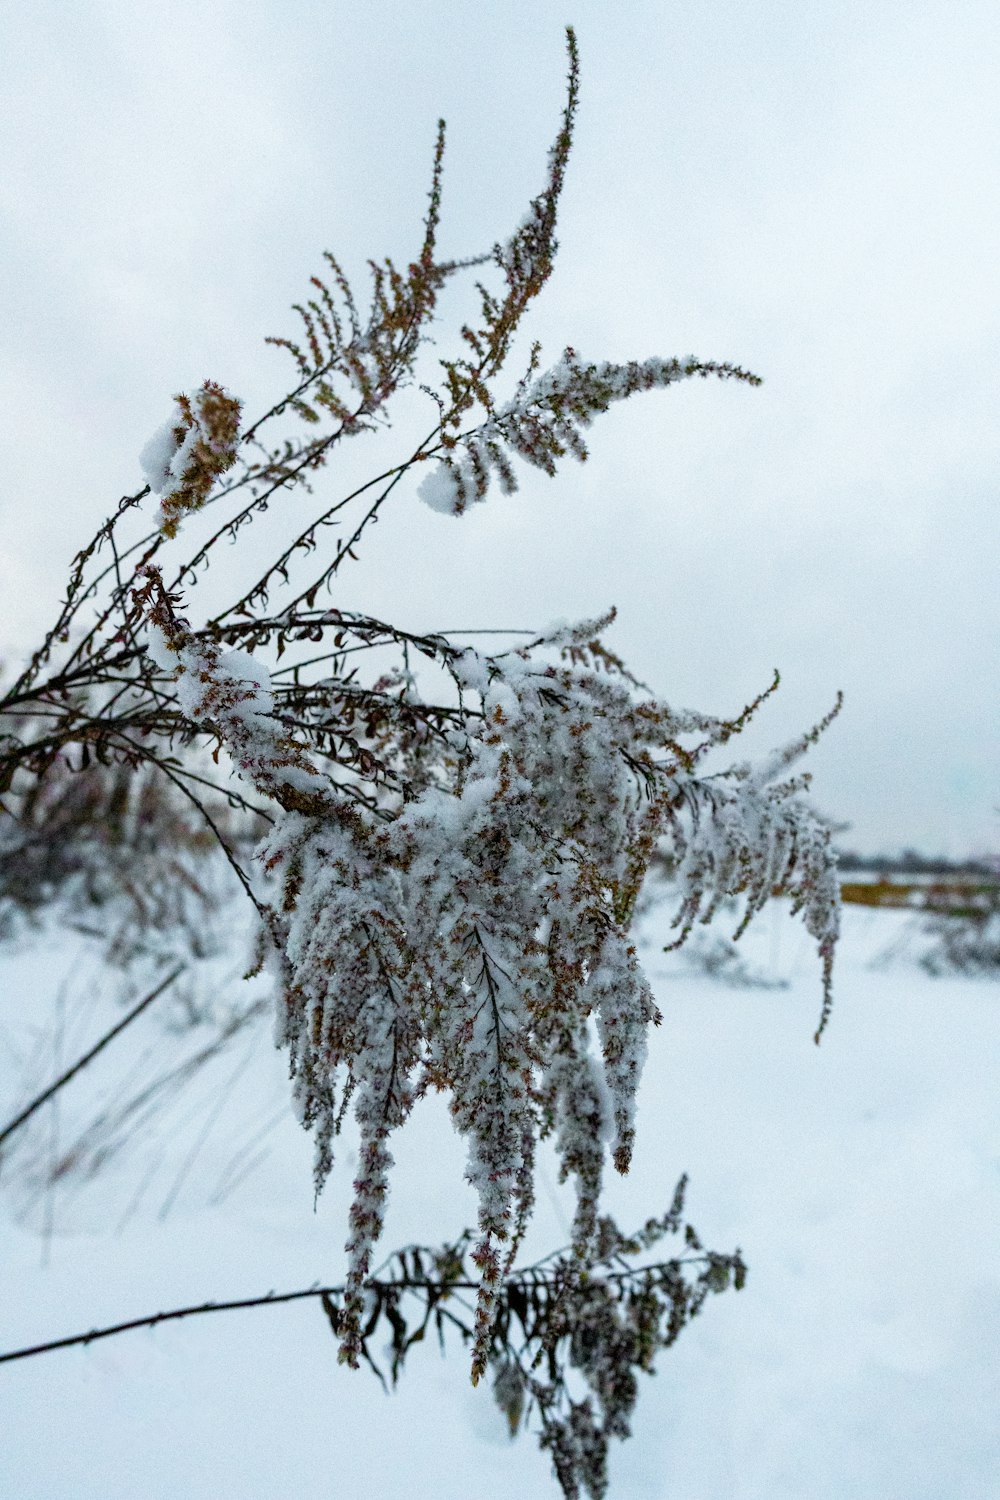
(232, 692)
(544, 422)
(466, 938)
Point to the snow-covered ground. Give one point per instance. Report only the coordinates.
(861, 1180)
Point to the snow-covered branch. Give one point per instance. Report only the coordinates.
(447, 887)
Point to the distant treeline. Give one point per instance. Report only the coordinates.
(912, 863)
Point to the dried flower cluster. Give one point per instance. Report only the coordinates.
(542, 424)
(555, 1330)
(448, 884)
(191, 450)
(464, 936)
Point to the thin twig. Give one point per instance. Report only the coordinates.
(88, 1057)
(442, 1285)
(167, 1317)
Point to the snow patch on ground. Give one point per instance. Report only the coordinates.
(861, 1180)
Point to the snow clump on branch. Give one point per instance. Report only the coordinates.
(184, 457)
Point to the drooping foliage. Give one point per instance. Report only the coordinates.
(565, 1351)
(465, 936)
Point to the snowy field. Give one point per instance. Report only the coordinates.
(860, 1179)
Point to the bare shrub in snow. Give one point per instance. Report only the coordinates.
(446, 890)
(964, 931)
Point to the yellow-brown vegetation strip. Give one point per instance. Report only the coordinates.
(955, 898)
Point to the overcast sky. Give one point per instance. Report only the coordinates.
(808, 190)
